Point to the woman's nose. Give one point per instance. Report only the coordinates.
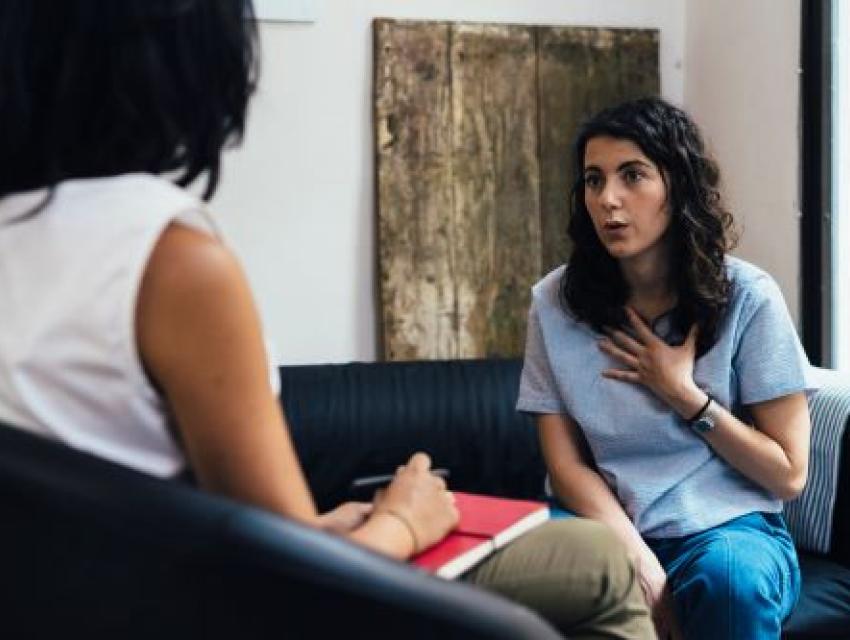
(610, 196)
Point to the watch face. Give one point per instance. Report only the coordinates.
(704, 424)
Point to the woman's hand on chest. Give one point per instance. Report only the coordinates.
(668, 371)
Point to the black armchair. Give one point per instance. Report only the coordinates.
(96, 550)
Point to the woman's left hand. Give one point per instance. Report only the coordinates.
(345, 518)
(665, 370)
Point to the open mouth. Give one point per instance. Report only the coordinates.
(615, 225)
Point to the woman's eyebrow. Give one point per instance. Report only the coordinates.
(623, 165)
(629, 163)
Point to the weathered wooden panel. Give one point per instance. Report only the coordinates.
(473, 125)
(458, 203)
(414, 191)
(582, 70)
(495, 182)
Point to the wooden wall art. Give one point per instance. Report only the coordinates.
(473, 126)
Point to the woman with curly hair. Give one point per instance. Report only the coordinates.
(668, 381)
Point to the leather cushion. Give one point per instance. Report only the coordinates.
(363, 419)
(823, 610)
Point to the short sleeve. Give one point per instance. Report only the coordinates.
(538, 391)
(769, 360)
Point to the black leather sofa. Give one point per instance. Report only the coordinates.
(93, 549)
(362, 419)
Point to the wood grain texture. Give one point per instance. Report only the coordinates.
(495, 186)
(581, 71)
(414, 168)
(473, 125)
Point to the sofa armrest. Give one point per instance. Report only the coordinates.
(819, 519)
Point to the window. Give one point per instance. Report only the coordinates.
(825, 193)
(840, 192)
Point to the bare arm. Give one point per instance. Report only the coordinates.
(199, 337)
(774, 454)
(578, 484)
(582, 489)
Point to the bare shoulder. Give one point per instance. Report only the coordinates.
(194, 296)
(186, 260)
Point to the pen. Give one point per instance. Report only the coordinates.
(385, 479)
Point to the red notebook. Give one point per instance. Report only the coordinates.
(486, 524)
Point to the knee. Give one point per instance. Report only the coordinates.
(609, 572)
(599, 541)
(732, 574)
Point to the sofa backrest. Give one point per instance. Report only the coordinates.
(97, 550)
(361, 419)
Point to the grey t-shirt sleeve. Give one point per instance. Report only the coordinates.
(769, 360)
(538, 391)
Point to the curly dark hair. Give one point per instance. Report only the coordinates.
(701, 229)
(95, 88)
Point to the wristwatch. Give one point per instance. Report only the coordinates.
(706, 419)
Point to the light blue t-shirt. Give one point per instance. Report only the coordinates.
(668, 479)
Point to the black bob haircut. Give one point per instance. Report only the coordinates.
(701, 229)
(92, 88)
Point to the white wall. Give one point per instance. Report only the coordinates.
(296, 201)
(741, 86)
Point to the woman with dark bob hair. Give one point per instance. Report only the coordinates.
(129, 330)
(668, 380)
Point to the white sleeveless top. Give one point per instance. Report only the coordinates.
(69, 282)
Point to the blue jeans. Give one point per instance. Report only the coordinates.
(739, 580)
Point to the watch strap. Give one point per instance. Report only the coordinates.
(702, 410)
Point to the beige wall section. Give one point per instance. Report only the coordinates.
(741, 85)
(296, 201)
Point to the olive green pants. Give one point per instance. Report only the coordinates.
(575, 574)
